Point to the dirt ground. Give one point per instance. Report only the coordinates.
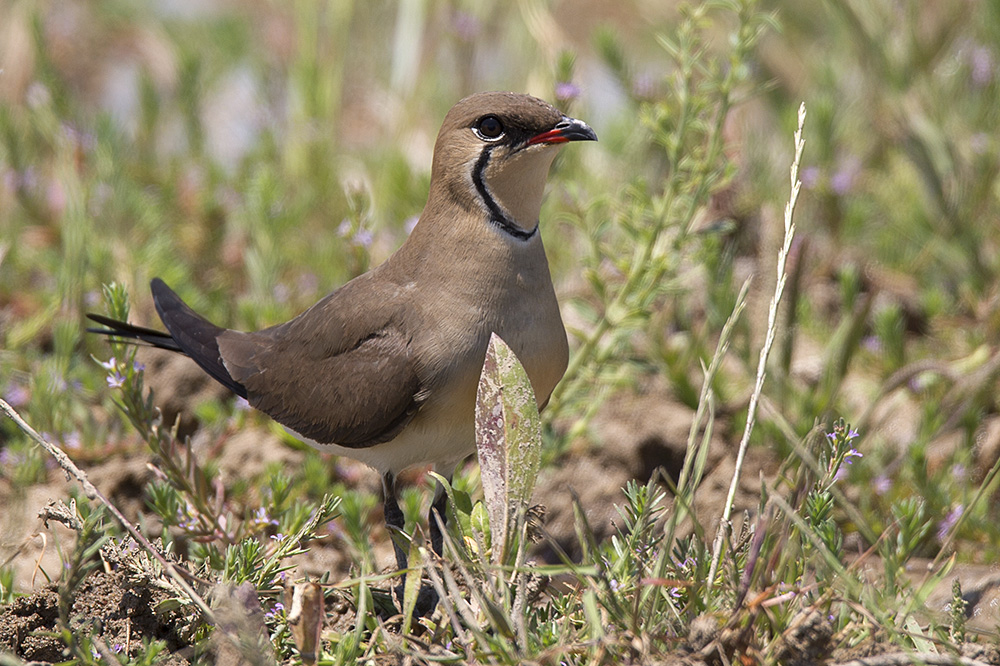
(639, 432)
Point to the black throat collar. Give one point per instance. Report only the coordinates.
(498, 217)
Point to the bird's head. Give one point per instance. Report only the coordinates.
(494, 152)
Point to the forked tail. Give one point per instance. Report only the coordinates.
(189, 334)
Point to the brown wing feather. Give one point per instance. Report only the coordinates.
(334, 376)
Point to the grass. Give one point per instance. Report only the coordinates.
(254, 157)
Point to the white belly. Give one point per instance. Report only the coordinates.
(444, 440)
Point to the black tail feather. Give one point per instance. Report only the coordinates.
(194, 334)
(133, 333)
(190, 334)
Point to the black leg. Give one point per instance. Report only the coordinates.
(438, 508)
(394, 519)
(427, 598)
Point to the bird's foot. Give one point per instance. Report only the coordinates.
(427, 599)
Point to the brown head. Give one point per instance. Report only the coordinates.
(493, 154)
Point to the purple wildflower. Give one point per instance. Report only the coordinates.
(949, 522)
(842, 182)
(16, 395)
(567, 91)
(466, 26)
(72, 440)
(644, 86)
(810, 177)
(982, 65)
(364, 238)
(872, 344)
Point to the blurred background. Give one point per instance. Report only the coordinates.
(255, 155)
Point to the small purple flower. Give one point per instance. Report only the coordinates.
(273, 613)
(109, 365)
(241, 404)
(72, 441)
(260, 517)
(138, 367)
(278, 538)
(810, 177)
(674, 592)
(27, 180)
(364, 238)
(842, 182)
(959, 472)
(84, 139)
(466, 26)
(644, 86)
(116, 380)
(16, 395)
(982, 65)
(567, 91)
(882, 484)
(851, 455)
(872, 344)
(949, 522)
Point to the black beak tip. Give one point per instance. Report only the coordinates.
(576, 130)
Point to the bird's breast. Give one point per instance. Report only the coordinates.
(519, 305)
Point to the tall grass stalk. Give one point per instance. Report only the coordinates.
(772, 327)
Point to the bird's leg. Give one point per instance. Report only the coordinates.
(394, 519)
(438, 508)
(427, 597)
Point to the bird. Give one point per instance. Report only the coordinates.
(385, 368)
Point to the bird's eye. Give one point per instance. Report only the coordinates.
(489, 128)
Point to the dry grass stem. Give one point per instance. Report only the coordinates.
(772, 319)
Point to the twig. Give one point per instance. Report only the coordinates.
(765, 351)
(908, 658)
(91, 491)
